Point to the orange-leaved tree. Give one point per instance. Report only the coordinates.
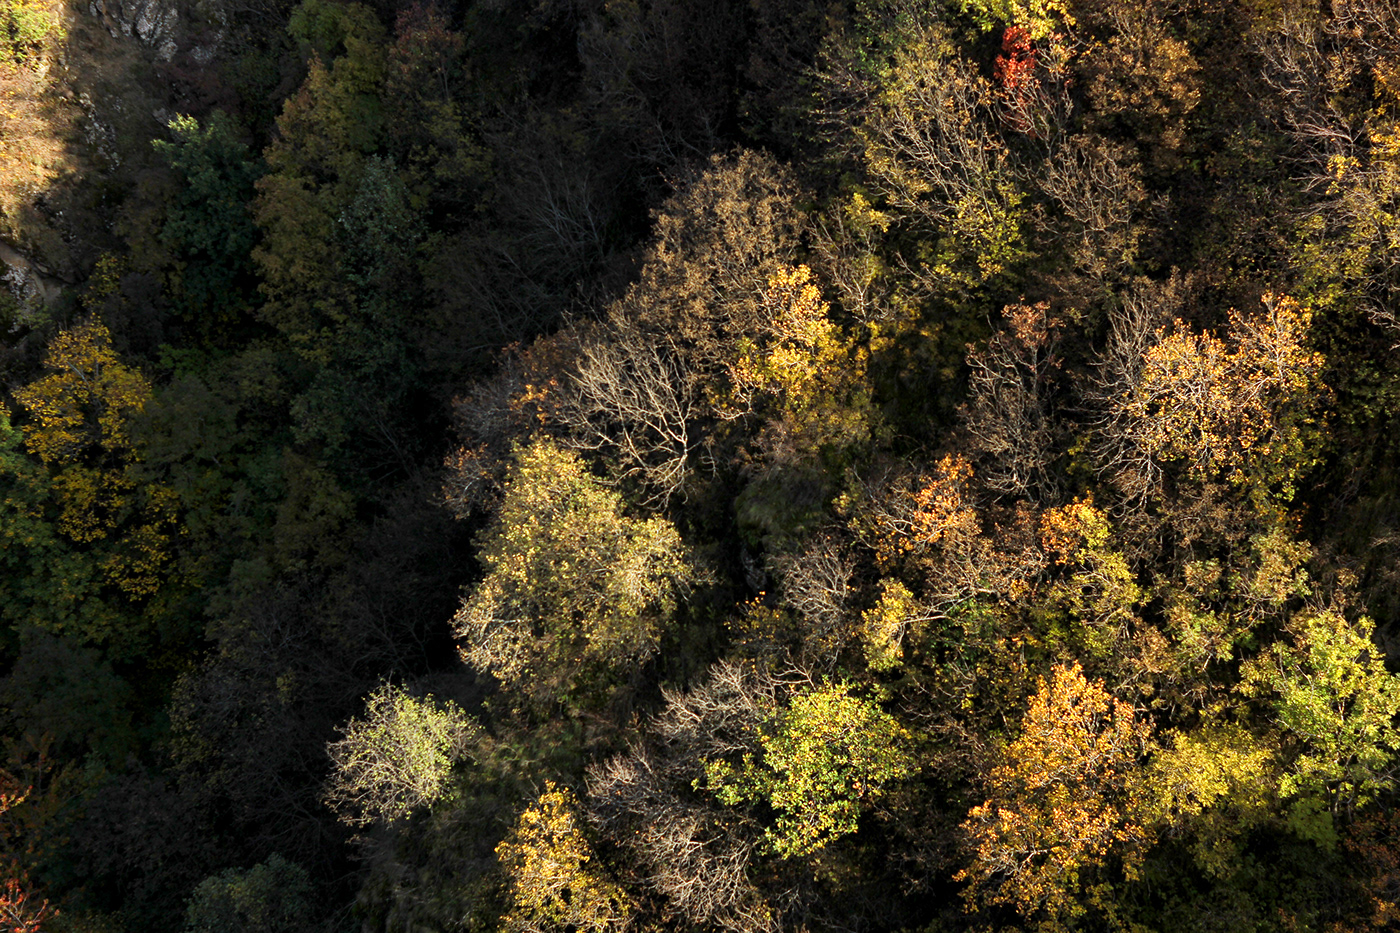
(1241, 409)
(1057, 803)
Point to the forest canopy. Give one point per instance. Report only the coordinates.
(624, 466)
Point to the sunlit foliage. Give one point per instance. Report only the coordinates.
(396, 758)
(878, 492)
(555, 883)
(825, 756)
(576, 593)
(1057, 804)
(1239, 410)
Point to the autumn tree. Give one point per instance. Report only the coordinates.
(1212, 605)
(927, 527)
(48, 582)
(641, 387)
(430, 118)
(1120, 444)
(918, 119)
(1240, 410)
(630, 397)
(1096, 590)
(1140, 78)
(692, 854)
(1213, 785)
(847, 246)
(824, 757)
(526, 393)
(397, 758)
(1037, 17)
(885, 626)
(1009, 414)
(696, 854)
(576, 594)
(82, 409)
(1098, 187)
(800, 370)
(556, 883)
(109, 527)
(797, 389)
(717, 243)
(21, 910)
(1034, 83)
(325, 131)
(1344, 138)
(818, 583)
(1057, 802)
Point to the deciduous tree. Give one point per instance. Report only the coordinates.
(1336, 703)
(695, 853)
(917, 117)
(630, 397)
(718, 243)
(824, 757)
(397, 758)
(555, 882)
(96, 523)
(576, 594)
(1241, 410)
(1009, 414)
(1057, 808)
(800, 371)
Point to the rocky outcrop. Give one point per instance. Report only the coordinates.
(156, 24)
(152, 22)
(77, 127)
(25, 279)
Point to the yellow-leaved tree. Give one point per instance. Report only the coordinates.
(555, 885)
(576, 593)
(1242, 409)
(82, 525)
(1057, 804)
(1039, 18)
(81, 418)
(803, 373)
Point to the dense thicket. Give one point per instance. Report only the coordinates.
(575, 467)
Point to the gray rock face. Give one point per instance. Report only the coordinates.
(22, 277)
(154, 23)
